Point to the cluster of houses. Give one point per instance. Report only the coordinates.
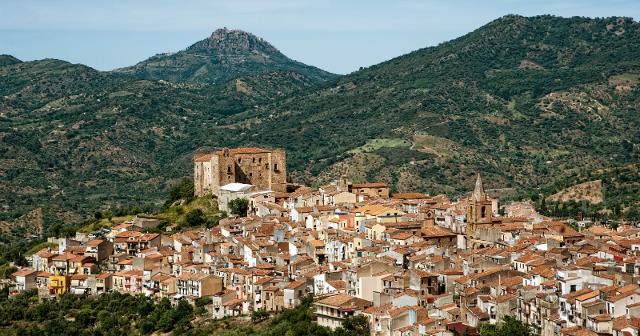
(411, 263)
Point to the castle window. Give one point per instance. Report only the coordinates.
(483, 212)
(229, 170)
(239, 160)
(250, 174)
(275, 167)
(254, 160)
(259, 160)
(266, 166)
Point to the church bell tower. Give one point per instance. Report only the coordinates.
(479, 210)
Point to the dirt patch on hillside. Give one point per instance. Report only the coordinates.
(588, 191)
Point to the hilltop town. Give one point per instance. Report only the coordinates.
(409, 263)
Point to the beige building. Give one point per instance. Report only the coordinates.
(198, 285)
(99, 249)
(332, 310)
(264, 168)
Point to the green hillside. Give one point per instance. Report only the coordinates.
(75, 140)
(526, 101)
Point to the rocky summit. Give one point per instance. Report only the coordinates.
(233, 40)
(223, 56)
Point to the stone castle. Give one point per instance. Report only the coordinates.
(264, 168)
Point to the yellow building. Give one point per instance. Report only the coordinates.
(58, 284)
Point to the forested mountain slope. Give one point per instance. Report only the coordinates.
(527, 102)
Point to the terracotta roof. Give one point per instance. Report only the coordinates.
(95, 242)
(295, 284)
(337, 284)
(577, 331)
(193, 276)
(203, 157)
(24, 272)
(370, 185)
(45, 253)
(435, 231)
(345, 301)
(410, 195)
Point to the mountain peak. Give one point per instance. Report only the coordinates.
(8, 60)
(233, 40)
(221, 34)
(226, 54)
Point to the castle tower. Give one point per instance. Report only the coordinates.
(264, 168)
(480, 208)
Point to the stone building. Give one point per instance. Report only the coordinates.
(264, 168)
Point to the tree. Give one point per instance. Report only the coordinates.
(356, 325)
(239, 206)
(259, 315)
(181, 190)
(203, 301)
(195, 217)
(633, 213)
(509, 327)
(513, 327)
(6, 270)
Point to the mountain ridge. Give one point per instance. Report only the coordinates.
(473, 93)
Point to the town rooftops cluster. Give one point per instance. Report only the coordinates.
(411, 263)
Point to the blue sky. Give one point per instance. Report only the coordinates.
(338, 36)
